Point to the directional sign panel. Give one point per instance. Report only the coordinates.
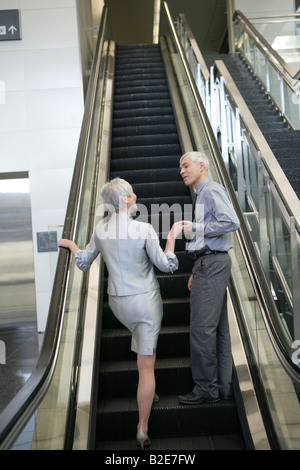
(9, 25)
(47, 241)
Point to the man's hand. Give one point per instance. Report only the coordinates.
(189, 284)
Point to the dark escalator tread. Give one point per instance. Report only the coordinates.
(138, 90)
(138, 121)
(168, 418)
(146, 162)
(173, 342)
(176, 313)
(184, 443)
(141, 112)
(126, 77)
(161, 190)
(170, 200)
(149, 175)
(157, 93)
(290, 163)
(170, 373)
(144, 140)
(153, 151)
(143, 130)
(155, 102)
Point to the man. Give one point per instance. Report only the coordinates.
(210, 346)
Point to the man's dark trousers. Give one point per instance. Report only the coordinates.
(210, 345)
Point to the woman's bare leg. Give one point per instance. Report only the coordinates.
(146, 389)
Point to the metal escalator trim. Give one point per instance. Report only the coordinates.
(185, 139)
(20, 409)
(197, 52)
(86, 385)
(250, 402)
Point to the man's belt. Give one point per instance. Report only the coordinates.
(199, 254)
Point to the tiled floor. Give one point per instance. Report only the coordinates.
(19, 354)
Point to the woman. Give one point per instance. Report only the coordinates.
(130, 250)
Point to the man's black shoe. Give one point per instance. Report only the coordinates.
(228, 397)
(193, 399)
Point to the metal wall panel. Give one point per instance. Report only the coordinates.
(17, 284)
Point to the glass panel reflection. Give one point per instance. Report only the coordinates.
(275, 385)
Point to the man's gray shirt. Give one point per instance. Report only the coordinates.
(215, 218)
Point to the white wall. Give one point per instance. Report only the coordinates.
(254, 9)
(41, 116)
(257, 8)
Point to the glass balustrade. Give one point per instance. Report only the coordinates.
(272, 48)
(283, 35)
(266, 214)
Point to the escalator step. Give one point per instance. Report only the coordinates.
(160, 161)
(142, 112)
(161, 189)
(144, 130)
(169, 200)
(141, 88)
(127, 80)
(144, 140)
(170, 374)
(146, 151)
(136, 121)
(169, 284)
(176, 312)
(158, 93)
(155, 102)
(173, 342)
(149, 175)
(168, 418)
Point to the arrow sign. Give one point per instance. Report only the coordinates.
(12, 29)
(9, 25)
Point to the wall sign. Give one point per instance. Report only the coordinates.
(9, 25)
(47, 241)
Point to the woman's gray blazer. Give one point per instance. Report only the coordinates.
(130, 249)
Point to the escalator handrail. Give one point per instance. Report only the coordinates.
(197, 52)
(19, 410)
(238, 14)
(278, 335)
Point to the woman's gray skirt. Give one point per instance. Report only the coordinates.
(142, 315)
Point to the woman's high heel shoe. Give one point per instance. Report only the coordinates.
(143, 439)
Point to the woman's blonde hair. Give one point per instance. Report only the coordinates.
(113, 191)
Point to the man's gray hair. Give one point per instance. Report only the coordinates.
(113, 191)
(197, 157)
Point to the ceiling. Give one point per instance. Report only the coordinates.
(132, 21)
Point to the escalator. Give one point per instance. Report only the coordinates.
(145, 151)
(282, 139)
(142, 112)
